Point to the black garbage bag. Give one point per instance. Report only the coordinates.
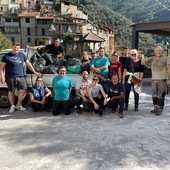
(50, 69)
(39, 65)
(48, 58)
(61, 62)
(34, 58)
(72, 62)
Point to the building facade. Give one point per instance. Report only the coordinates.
(36, 23)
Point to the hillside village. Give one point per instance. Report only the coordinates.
(38, 22)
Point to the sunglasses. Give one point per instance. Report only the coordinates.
(133, 54)
(95, 79)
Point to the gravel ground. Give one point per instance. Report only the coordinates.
(40, 141)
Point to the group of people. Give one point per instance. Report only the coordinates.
(110, 85)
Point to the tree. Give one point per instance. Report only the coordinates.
(4, 42)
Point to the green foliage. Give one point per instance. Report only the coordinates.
(140, 11)
(4, 42)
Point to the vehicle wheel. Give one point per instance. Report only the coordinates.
(4, 101)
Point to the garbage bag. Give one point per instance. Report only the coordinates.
(61, 62)
(74, 69)
(72, 62)
(50, 69)
(48, 58)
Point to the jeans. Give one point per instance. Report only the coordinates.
(127, 93)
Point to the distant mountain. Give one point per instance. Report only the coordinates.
(140, 11)
(121, 24)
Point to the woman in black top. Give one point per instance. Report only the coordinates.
(133, 67)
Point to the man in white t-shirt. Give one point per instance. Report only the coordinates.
(81, 93)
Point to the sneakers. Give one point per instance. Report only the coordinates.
(79, 111)
(100, 113)
(120, 114)
(20, 107)
(12, 109)
(136, 109)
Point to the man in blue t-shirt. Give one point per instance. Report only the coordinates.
(62, 86)
(101, 63)
(12, 72)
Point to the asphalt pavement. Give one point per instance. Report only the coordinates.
(40, 141)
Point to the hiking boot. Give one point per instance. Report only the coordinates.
(154, 110)
(158, 111)
(12, 109)
(120, 114)
(20, 107)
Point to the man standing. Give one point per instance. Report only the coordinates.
(160, 67)
(124, 58)
(100, 64)
(13, 65)
(82, 93)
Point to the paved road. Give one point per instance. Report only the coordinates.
(39, 141)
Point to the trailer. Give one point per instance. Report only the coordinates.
(30, 79)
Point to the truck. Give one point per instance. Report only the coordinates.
(30, 78)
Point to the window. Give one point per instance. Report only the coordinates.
(13, 39)
(12, 29)
(27, 20)
(28, 31)
(43, 31)
(15, 19)
(7, 19)
(29, 39)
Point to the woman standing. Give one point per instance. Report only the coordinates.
(62, 86)
(115, 66)
(133, 67)
(40, 96)
(97, 95)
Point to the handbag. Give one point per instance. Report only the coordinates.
(134, 80)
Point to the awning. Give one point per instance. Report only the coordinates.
(91, 37)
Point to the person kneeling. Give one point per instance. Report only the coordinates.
(97, 96)
(40, 96)
(116, 94)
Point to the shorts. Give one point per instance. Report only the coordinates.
(18, 83)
